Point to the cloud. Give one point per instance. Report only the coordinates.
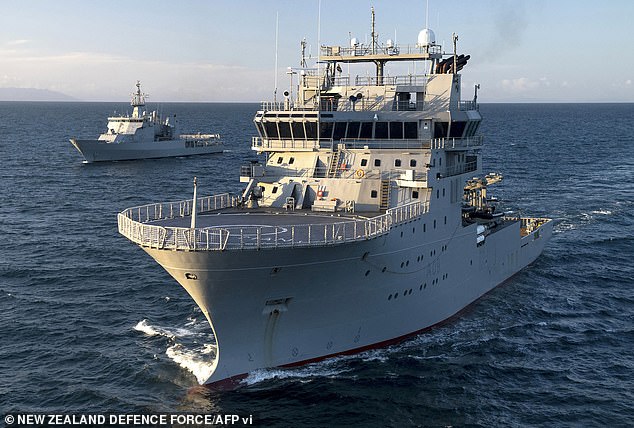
(17, 42)
(628, 82)
(522, 84)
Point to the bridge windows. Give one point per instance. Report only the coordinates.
(381, 131)
(285, 130)
(457, 129)
(396, 130)
(353, 130)
(441, 129)
(298, 130)
(366, 130)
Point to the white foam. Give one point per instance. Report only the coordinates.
(144, 327)
(191, 361)
(302, 374)
(602, 212)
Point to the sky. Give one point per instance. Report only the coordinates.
(218, 51)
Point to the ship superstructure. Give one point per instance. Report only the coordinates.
(144, 135)
(362, 225)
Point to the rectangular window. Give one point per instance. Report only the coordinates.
(377, 162)
(353, 130)
(325, 130)
(280, 160)
(311, 130)
(397, 162)
(412, 163)
(298, 130)
(380, 131)
(340, 130)
(271, 130)
(366, 130)
(411, 130)
(364, 162)
(440, 129)
(291, 161)
(374, 194)
(414, 194)
(285, 130)
(457, 128)
(396, 130)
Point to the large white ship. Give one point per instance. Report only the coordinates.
(362, 226)
(144, 136)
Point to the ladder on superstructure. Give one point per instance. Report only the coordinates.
(334, 164)
(385, 194)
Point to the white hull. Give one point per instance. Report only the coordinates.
(282, 307)
(100, 150)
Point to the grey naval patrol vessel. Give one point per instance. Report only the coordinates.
(144, 136)
(363, 224)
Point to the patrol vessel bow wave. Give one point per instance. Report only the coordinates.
(144, 136)
(362, 226)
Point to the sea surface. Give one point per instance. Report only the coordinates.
(89, 323)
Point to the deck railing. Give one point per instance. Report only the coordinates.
(136, 224)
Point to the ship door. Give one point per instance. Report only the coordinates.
(424, 128)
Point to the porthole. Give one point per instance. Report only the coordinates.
(373, 194)
(389, 297)
(407, 263)
(367, 273)
(291, 161)
(384, 269)
(280, 159)
(396, 296)
(402, 265)
(274, 189)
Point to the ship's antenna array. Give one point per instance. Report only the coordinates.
(277, 22)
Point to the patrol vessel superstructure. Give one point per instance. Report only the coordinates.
(144, 135)
(363, 226)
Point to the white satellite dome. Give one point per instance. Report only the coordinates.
(389, 43)
(426, 37)
(354, 42)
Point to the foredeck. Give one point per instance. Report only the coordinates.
(222, 225)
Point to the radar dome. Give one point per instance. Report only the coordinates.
(389, 43)
(426, 37)
(354, 42)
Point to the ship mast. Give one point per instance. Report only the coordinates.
(138, 100)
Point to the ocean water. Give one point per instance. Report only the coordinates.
(92, 324)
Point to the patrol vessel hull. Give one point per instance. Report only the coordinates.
(101, 151)
(286, 307)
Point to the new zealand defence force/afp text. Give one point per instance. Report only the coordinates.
(23, 419)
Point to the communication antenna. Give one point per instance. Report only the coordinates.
(318, 63)
(302, 63)
(373, 33)
(427, 15)
(277, 22)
